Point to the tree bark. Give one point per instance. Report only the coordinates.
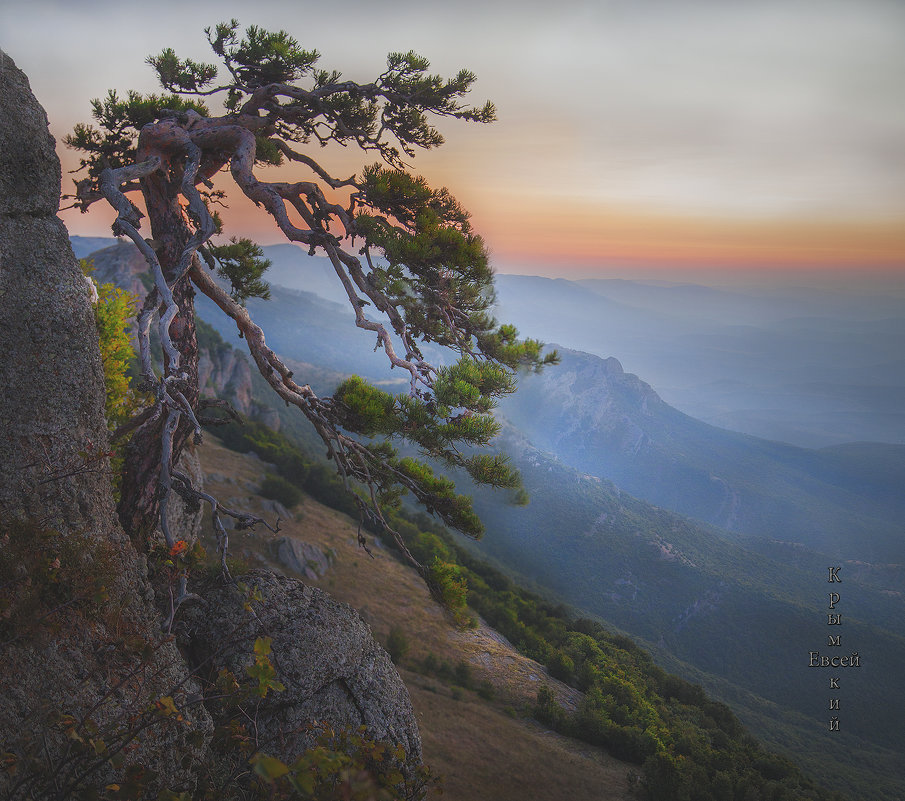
(139, 505)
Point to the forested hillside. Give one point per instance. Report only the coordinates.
(682, 743)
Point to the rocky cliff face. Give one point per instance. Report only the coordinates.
(50, 372)
(584, 403)
(54, 473)
(325, 656)
(106, 664)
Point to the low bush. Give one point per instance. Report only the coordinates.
(279, 489)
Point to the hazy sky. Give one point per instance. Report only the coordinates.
(723, 132)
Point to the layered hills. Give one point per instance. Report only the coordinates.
(813, 366)
(845, 502)
(708, 545)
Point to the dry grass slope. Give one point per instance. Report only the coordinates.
(488, 750)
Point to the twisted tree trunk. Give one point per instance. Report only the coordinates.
(139, 506)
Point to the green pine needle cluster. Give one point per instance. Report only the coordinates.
(446, 429)
(114, 143)
(243, 264)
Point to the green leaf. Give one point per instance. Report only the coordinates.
(269, 768)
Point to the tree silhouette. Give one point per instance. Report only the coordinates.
(412, 267)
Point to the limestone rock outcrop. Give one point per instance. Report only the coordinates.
(50, 372)
(121, 264)
(223, 372)
(303, 558)
(29, 168)
(323, 652)
(54, 471)
(112, 664)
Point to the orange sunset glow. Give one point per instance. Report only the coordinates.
(687, 135)
(613, 235)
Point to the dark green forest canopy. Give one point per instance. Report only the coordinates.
(412, 268)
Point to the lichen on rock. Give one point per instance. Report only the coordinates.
(55, 474)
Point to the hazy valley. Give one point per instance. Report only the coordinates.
(710, 546)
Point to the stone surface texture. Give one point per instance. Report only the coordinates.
(323, 653)
(55, 473)
(304, 558)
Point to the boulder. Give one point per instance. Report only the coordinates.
(323, 652)
(303, 558)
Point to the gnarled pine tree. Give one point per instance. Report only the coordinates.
(406, 255)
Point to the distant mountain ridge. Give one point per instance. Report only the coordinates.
(804, 365)
(603, 421)
(606, 422)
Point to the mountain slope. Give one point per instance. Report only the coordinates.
(845, 502)
(715, 612)
(692, 741)
(481, 750)
(681, 585)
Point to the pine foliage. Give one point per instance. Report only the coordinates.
(412, 266)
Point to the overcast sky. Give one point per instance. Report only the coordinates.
(686, 131)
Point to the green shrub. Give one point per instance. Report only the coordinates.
(448, 584)
(462, 675)
(279, 489)
(547, 711)
(486, 690)
(113, 313)
(397, 645)
(561, 666)
(430, 664)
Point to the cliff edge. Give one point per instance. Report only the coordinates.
(91, 690)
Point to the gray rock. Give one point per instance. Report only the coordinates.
(303, 558)
(324, 654)
(29, 167)
(225, 373)
(274, 506)
(54, 435)
(266, 416)
(55, 472)
(121, 264)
